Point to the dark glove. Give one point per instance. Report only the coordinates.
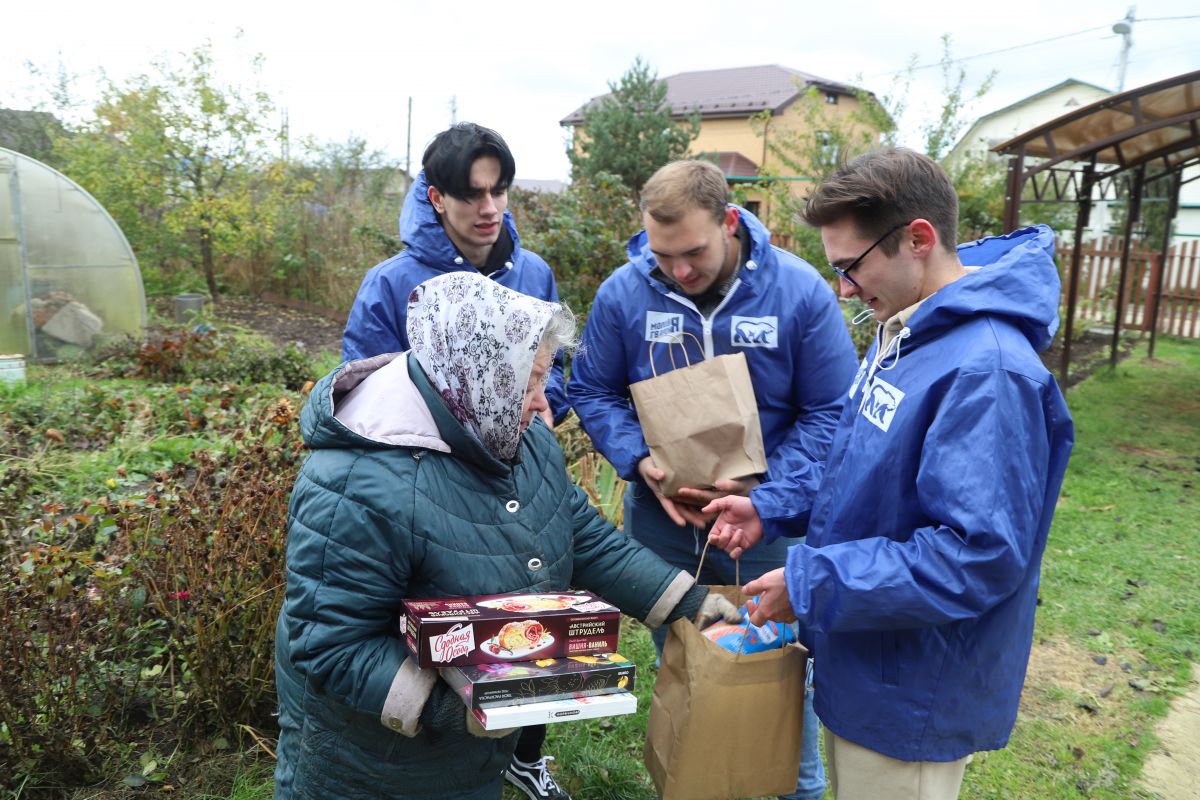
(443, 711)
(688, 605)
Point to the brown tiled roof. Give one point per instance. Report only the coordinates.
(736, 92)
(732, 163)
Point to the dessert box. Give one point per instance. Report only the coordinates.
(525, 682)
(575, 708)
(501, 628)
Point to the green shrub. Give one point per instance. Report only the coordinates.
(92, 416)
(155, 613)
(203, 353)
(581, 233)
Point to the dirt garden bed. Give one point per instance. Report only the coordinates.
(319, 332)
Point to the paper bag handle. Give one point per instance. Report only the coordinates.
(737, 578)
(671, 353)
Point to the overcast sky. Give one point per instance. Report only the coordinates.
(349, 68)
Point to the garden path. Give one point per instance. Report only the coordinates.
(1173, 770)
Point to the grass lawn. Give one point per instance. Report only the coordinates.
(1117, 631)
(1119, 623)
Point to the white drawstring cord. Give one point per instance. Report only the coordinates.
(880, 356)
(900, 337)
(862, 316)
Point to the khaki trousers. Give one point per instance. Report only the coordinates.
(856, 773)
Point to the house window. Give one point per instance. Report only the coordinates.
(752, 206)
(828, 145)
(831, 98)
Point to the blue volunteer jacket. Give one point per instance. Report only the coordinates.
(919, 578)
(780, 313)
(378, 318)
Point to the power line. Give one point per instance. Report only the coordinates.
(1023, 46)
(992, 52)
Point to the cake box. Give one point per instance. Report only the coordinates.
(503, 628)
(569, 710)
(523, 682)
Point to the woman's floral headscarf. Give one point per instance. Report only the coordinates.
(476, 341)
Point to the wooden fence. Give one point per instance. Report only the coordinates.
(1101, 266)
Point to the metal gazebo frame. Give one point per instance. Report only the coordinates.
(1128, 144)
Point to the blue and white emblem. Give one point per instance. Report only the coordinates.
(880, 401)
(754, 331)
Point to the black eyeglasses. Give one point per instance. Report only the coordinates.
(844, 272)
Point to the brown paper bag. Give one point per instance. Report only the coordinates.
(724, 725)
(701, 421)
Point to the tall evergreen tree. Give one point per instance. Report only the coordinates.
(630, 133)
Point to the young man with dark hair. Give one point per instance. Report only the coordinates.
(455, 217)
(917, 583)
(707, 268)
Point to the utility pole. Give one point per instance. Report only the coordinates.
(285, 136)
(1125, 29)
(408, 142)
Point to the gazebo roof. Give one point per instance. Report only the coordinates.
(1156, 122)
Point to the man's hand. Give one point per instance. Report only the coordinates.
(680, 513)
(702, 497)
(737, 528)
(773, 602)
(546, 415)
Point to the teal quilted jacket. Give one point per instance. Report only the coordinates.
(401, 501)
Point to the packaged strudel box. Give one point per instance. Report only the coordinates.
(523, 682)
(570, 710)
(497, 629)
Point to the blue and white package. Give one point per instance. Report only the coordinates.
(757, 639)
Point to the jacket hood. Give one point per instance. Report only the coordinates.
(1016, 280)
(644, 262)
(372, 402)
(422, 231)
(387, 402)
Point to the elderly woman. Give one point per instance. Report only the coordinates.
(433, 476)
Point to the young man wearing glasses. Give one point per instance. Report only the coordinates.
(917, 583)
(707, 268)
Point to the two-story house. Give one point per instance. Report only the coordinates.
(726, 100)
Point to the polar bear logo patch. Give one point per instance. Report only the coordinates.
(754, 331)
(880, 401)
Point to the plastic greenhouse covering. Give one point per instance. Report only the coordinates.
(68, 278)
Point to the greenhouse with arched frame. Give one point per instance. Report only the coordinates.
(68, 278)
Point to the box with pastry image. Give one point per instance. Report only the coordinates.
(523, 682)
(495, 629)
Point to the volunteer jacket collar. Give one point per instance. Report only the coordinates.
(1015, 279)
(644, 262)
(422, 231)
(1011, 277)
